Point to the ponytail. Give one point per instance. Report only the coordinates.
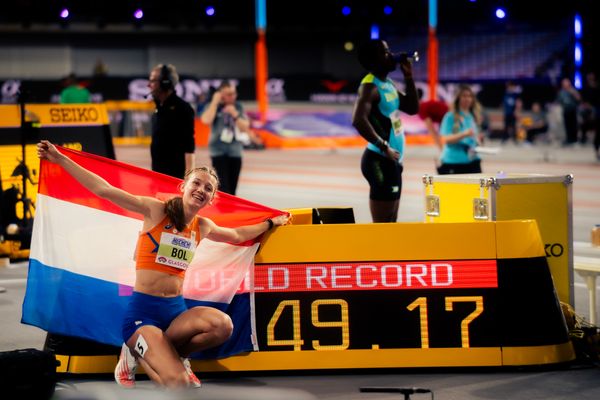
(174, 210)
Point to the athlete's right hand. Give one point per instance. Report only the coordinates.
(47, 151)
(392, 153)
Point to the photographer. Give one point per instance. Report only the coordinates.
(226, 118)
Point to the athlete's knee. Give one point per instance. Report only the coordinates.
(223, 327)
(213, 322)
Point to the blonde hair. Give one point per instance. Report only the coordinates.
(174, 206)
(475, 108)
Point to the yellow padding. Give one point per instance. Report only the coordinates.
(91, 364)
(538, 355)
(127, 105)
(519, 239)
(132, 140)
(377, 358)
(301, 216)
(55, 115)
(382, 358)
(64, 364)
(379, 242)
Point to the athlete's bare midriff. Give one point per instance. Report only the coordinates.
(157, 283)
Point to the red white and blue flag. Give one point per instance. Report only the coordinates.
(81, 268)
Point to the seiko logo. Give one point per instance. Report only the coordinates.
(74, 114)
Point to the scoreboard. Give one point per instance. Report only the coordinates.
(403, 295)
(398, 295)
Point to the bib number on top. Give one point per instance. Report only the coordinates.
(175, 251)
(396, 122)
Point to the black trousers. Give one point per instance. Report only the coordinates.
(228, 171)
(474, 167)
(571, 125)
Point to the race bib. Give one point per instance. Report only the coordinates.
(176, 251)
(396, 122)
(226, 135)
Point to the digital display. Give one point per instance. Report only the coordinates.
(376, 305)
(376, 276)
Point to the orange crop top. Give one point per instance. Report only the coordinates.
(163, 248)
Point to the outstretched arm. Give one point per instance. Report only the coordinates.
(242, 233)
(97, 185)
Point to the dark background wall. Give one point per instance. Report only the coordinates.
(304, 38)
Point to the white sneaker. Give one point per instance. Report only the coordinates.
(192, 377)
(125, 369)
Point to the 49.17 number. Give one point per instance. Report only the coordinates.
(343, 323)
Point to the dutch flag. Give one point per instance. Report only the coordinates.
(81, 267)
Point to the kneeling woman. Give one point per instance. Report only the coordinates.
(159, 330)
(460, 134)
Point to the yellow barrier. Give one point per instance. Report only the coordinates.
(398, 295)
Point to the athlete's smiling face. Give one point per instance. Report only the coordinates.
(199, 188)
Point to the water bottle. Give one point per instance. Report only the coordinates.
(596, 235)
(403, 56)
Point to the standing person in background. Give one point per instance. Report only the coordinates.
(100, 69)
(591, 100)
(225, 115)
(509, 106)
(376, 117)
(569, 98)
(520, 133)
(99, 81)
(173, 146)
(74, 93)
(539, 122)
(461, 135)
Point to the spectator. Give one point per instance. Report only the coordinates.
(539, 122)
(591, 101)
(100, 69)
(569, 98)
(173, 145)
(74, 93)
(509, 105)
(461, 135)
